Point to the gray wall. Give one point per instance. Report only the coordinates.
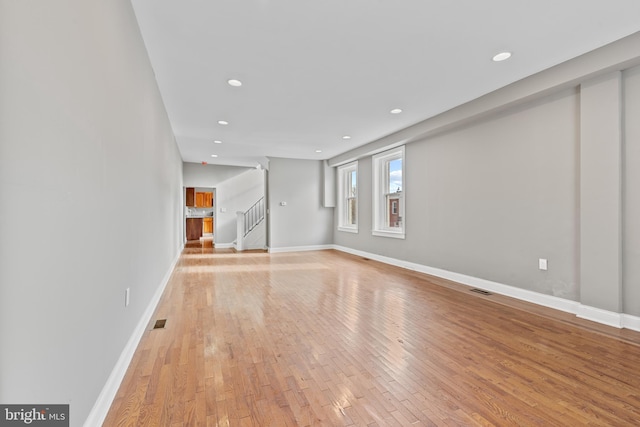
(490, 199)
(546, 168)
(91, 196)
(601, 192)
(631, 193)
(199, 175)
(303, 221)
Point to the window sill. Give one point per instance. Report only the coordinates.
(388, 233)
(348, 229)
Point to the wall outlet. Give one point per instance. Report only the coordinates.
(283, 203)
(126, 297)
(542, 264)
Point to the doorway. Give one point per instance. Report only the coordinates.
(199, 213)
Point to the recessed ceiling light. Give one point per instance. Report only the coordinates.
(217, 141)
(234, 82)
(214, 155)
(223, 122)
(318, 151)
(396, 111)
(502, 56)
(346, 137)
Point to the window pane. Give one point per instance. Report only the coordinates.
(352, 182)
(348, 197)
(393, 218)
(395, 175)
(393, 214)
(351, 212)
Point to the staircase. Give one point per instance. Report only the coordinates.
(251, 230)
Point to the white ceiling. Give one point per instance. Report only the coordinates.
(313, 71)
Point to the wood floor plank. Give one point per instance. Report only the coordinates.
(329, 339)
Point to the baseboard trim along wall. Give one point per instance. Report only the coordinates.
(105, 399)
(631, 322)
(224, 245)
(618, 320)
(301, 248)
(598, 315)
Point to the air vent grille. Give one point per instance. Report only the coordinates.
(481, 291)
(160, 324)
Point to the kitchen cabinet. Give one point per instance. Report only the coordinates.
(190, 197)
(207, 225)
(199, 200)
(204, 199)
(194, 228)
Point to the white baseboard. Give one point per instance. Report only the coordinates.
(605, 317)
(301, 248)
(598, 315)
(105, 399)
(224, 245)
(631, 322)
(255, 247)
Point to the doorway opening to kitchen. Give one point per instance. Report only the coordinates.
(199, 213)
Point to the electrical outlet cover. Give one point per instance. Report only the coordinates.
(542, 264)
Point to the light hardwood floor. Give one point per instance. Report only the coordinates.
(326, 338)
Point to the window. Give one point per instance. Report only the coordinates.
(388, 194)
(348, 197)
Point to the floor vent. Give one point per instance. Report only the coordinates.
(160, 324)
(481, 291)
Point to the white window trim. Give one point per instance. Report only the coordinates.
(343, 172)
(379, 194)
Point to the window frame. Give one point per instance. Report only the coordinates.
(344, 173)
(381, 194)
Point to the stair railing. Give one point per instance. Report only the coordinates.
(253, 216)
